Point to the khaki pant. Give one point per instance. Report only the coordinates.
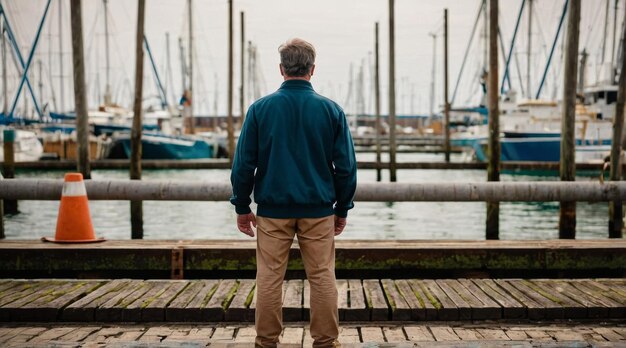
(316, 239)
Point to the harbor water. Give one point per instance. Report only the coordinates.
(368, 220)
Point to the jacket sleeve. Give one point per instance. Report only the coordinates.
(244, 165)
(344, 162)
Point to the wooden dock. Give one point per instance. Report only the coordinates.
(231, 300)
(354, 259)
(365, 335)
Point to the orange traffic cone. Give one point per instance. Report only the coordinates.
(74, 221)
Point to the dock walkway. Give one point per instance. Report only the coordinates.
(456, 334)
(231, 300)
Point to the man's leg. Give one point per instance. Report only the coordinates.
(316, 238)
(274, 239)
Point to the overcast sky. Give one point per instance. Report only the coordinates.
(341, 30)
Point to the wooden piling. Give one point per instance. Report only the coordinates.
(80, 98)
(446, 103)
(567, 217)
(231, 130)
(136, 207)
(377, 96)
(616, 216)
(8, 167)
(242, 98)
(493, 166)
(392, 93)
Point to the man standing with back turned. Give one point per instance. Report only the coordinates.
(299, 144)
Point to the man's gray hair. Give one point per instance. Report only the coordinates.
(297, 57)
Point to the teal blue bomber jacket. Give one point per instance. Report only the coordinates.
(295, 150)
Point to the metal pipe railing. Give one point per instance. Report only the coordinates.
(35, 189)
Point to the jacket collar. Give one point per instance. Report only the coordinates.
(296, 84)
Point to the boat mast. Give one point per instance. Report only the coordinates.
(530, 48)
(183, 65)
(40, 81)
(169, 68)
(191, 123)
(107, 88)
(613, 68)
(581, 71)
(432, 75)
(5, 106)
(485, 37)
(606, 25)
(61, 84)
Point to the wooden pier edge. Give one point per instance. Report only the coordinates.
(354, 258)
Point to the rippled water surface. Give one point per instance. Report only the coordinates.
(371, 220)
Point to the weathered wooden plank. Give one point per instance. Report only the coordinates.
(358, 310)
(223, 333)
(156, 334)
(609, 334)
(372, 334)
(245, 335)
(80, 334)
(6, 285)
(292, 335)
(465, 311)
(342, 298)
(604, 290)
(444, 333)
(175, 310)
(306, 304)
(417, 311)
(375, 298)
(292, 301)
(448, 310)
(467, 334)
(616, 309)
(48, 307)
(16, 310)
(493, 334)
(553, 310)
(188, 305)
(51, 335)
(200, 334)
(510, 307)
(534, 310)
(84, 309)
(154, 310)
(132, 311)
(239, 310)
(418, 334)
(400, 309)
(111, 310)
(394, 334)
(23, 290)
(215, 308)
(516, 335)
(571, 309)
(595, 308)
(349, 334)
(486, 307)
(430, 304)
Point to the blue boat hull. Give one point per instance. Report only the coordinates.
(532, 149)
(162, 147)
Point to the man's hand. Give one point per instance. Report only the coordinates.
(244, 221)
(340, 224)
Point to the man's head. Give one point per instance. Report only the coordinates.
(297, 59)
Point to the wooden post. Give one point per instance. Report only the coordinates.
(446, 103)
(136, 207)
(567, 217)
(377, 94)
(392, 93)
(616, 219)
(493, 167)
(8, 167)
(242, 106)
(80, 98)
(231, 131)
(192, 123)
